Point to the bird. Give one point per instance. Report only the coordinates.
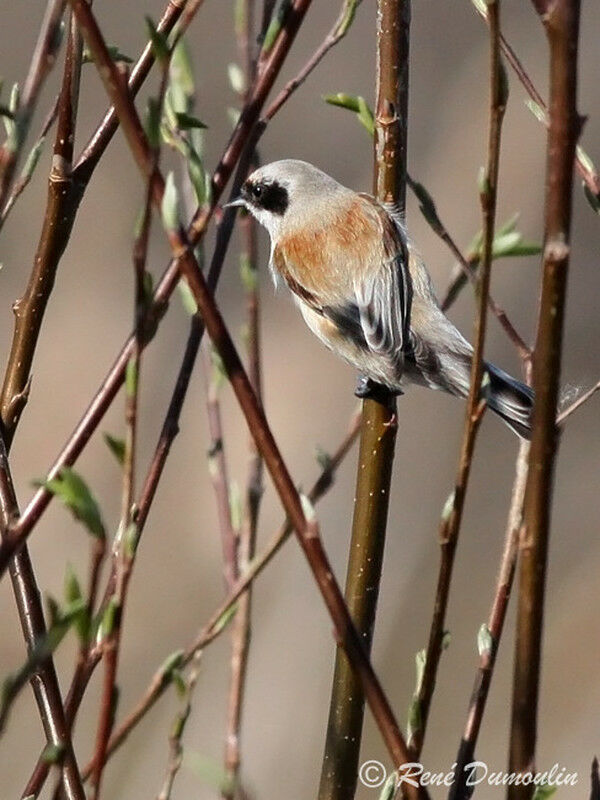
(364, 290)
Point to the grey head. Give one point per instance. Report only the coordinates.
(287, 194)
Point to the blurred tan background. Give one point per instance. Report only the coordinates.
(308, 396)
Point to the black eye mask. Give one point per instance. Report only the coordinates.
(269, 196)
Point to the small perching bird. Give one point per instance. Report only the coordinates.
(363, 289)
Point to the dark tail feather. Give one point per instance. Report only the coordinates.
(511, 400)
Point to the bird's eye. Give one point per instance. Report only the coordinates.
(257, 191)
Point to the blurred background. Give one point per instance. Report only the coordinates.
(309, 399)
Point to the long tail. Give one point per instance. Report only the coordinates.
(511, 400)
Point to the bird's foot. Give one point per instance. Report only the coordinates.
(367, 388)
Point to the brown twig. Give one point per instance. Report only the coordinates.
(468, 272)
(29, 310)
(561, 20)
(22, 182)
(493, 632)
(217, 467)
(583, 398)
(162, 679)
(44, 56)
(246, 543)
(336, 34)
(44, 682)
(128, 533)
(339, 771)
(452, 517)
(589, 176)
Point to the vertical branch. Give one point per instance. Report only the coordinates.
(491, 640)
(378, 426)
(44, 56)
(44, 682)
(561, 19)
(240, 632)
(56, 229)
(452, 516)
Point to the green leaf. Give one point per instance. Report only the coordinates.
(181, 73)
(72, 587)
(485, 642)
(420, 659)
(113, 51)
(158, 40)
(116, 447)
(131, 540)
(236, 510)
(537, 111)
(350, 8)
(248, 273)
(225, 619)
(509, 225)
(543, 792)
(414, 722)
(342, 100)
(426, 205)
(389, 787)
(237, 79)
(170, 204)
(32, 159)
(152, 122)
(448, 506)
(275, 26)
(592, 199)
(480, 7)
(187, 121)
(109, 618)
(53, 753)
(187, 298)
(323, 458)
(6, 112)
(357, 104)
(131, 377)
(171, 663)
(73, 492)
(365, 115)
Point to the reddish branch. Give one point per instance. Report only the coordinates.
(561, 20)
(452, 517)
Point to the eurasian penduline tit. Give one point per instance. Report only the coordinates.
(363, 289)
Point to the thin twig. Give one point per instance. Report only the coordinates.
(21, 184)
(452, 516)
(246, 543)
(588, 174)
(493, 632)
(564, 415)
(336, 34)
(561, 20)
(217, 466)
(44, 682)
(29, 310)
(44, 56)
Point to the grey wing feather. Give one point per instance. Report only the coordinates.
(384, 298)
